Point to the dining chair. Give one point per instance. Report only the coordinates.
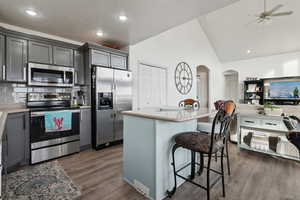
(195, 104)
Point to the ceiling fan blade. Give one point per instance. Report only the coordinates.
(274, 9)
(253, 22)
(259, 21)
(281, 14)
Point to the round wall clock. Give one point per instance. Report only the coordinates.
(183, 78)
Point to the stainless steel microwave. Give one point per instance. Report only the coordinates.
(50, 75)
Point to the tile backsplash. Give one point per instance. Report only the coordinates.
(11, 93)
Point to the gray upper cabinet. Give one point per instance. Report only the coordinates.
(17, 143)
(40, 52)
(100, 58)
(79, 68)
(2, 57)
(16, 59)
(85, 128)
(118, 61)
(63, 56)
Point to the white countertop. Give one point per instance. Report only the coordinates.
(13, 108)
(171, 115)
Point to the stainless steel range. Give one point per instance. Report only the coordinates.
(49, 144)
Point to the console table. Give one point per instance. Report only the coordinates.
(265, 134)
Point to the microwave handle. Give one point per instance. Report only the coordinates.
(64, 77)
(75, 77)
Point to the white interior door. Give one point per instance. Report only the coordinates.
(152, 87)
(231, 85)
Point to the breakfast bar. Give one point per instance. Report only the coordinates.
(148, 140)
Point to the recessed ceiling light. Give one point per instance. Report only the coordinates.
(123, 18)
(99, 33)
(248, 51)
(31, 12)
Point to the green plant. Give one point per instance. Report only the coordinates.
(271, 105)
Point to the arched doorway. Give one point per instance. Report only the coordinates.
(231, 85)
(232, 93)
(203, 86)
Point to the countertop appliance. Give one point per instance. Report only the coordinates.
(111, 94)
(81, 98)
(50, 75)
(45, 145)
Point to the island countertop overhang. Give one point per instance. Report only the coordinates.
(171, 115)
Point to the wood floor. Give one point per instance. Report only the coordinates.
(254, 177)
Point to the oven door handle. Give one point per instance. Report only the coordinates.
(38, 114)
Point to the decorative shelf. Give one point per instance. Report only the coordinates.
(242, 146)
(255, 85)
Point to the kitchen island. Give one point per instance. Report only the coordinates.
(148, 140)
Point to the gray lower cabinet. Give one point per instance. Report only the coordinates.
(63, 56)
(17, 150)
(40, 52)
(2, 57)
(79, 68)
(85, 128)
(118, 61)
(100, 58)
(16, 59)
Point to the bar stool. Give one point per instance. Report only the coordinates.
(204, 144)
(194, 104)
(206, 127)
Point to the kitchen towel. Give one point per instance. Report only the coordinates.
(58, 121)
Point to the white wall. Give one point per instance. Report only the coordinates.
(187, 43)
(283, 65)
(267, 67)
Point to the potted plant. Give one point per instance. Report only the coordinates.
(271, 109)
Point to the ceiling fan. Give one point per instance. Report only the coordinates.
(267, 15)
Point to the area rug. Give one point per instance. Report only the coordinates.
(40, 182)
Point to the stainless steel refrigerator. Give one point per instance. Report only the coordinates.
(111, 94)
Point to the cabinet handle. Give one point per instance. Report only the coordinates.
(24, 122)
(80, 115)
(76, 77)
(3, 72)
(24, 73)
(268, 123)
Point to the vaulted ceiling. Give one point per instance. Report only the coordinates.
(81, 19)
(235, 36)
